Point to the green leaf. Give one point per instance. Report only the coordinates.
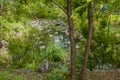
(89, 0)
(109, 48)
(118, 18)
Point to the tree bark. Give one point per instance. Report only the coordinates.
(1, 7)
(72, 40)
(87, 48)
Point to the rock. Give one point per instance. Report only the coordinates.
(43, 67)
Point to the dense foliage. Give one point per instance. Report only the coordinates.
(36, 30)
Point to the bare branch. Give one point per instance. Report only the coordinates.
(60, 6)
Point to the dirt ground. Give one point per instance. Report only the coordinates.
(31, 75)
(103, 75)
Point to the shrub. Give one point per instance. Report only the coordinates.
(55, 52)
(5, 58)
(58, 74)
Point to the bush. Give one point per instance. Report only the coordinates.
(23, 45)
(55, 53)
(58, 73)
(25, 49)
(5, 58)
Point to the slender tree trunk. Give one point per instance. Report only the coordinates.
(71, 35)
(1, 7)
(87, 48)
(72, 40)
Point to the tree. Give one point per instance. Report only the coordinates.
(72, 40)
(71, 35)
(1, 7)
(87, 48)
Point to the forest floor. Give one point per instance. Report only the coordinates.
(20, 75)
(113, 74)
(31, 75)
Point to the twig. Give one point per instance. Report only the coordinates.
(60, 6)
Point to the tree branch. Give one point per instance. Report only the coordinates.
(60, 6)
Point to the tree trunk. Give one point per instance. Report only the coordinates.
(72, 40)
(1, 7)
(87, 48)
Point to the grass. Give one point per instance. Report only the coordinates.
(4, 75)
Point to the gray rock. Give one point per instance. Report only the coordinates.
(43, 67)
